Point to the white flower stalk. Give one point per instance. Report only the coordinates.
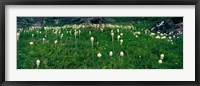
(31, 43)
(75, 34)
(111, 31)
(118, 37)
(152, 34)
(92, 41)
(38, 63)
(162, 56)
(79, 32)
(32, 35)
(160, 61)
(121, 41)
(164, 37)
(170, 37)
(121, 54)
(157, 37)
(110, 53)
(112, 34)
(40, 32)
(121, 34)
(101, 29)
(70, 32)
(145, 31)
(117, 30)
(61, 36)
(18, 34)
(45, 36)
(136, 36)
(99, 55)
(55, 42)
(43, 39)
(90, 32)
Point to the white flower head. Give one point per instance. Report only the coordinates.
(31, 43)
(121, 53)
(162, 56)
(157, 37)
(164, 37)
(118, 37)
(79, 32)
(55, 42)
(32, 35)
(43, 39)
(112, 34)
(92, 39)
(99, 55)
(152, 34)
(160, 61)
(121, 34)
(121, 41)
(90, 32)
(117, 30)
(101, 29)
(110, 53)
(18, 34)
(111, 31)
(38, 63)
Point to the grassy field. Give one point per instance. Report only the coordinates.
(141, 48)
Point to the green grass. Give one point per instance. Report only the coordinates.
(70, 53)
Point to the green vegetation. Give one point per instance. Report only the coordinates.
(141, 51)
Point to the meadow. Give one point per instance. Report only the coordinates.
(113, 46)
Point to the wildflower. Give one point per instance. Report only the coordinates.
(157, 37)
(110, 53)
(38, 63)
(101, 29)
(31, 43)
(161, 56)
(121, 54)
(163, 37)
(75, 34)
(92, 40)
(152, 34)
(111, 31)
(61, 36)
(112, 34)
(79, 32)
(160, 61)
(117, 30)
(70, 32)
(118, 37)
(55, 42)
(121, 34)
(18, 34)
(145, 31)
(121, 41)
(32, 35)
(99, 55)
(90, 32)
(43, 39)
(136, 36)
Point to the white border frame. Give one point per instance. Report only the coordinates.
(185, 74)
